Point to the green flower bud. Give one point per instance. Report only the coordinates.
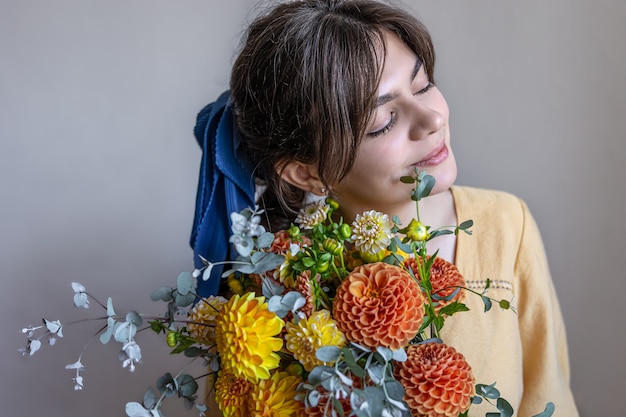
(345, 231)
(295, 369)
(172, 338)
(332, 203)
(417, 231)
(332, 246)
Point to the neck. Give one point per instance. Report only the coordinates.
(435, 211)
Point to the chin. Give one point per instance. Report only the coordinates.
(445, 177)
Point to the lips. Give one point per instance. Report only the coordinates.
(434, 158)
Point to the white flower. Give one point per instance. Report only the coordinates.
(371, 232)
(312, 214)
(131, 353)
(80, 295)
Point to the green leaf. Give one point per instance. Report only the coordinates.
(505, 408)
(454, 307)
(149, 398)
(185, 283)
(487, 302)
(395, 390)
(504, 304)
(385, 353)
(407, 179)
(183, 300)
(110, 311)
(488, 391)
(466, 225)
(351, 362)
(425, 186)
(187, 385)
(265, 240)
(135, 318)
(549, 410)
(162, 294)
(328, 353)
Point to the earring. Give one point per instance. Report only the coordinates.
(323, 190)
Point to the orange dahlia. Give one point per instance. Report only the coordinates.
(379, 304)
(445, 279)
(283, 242)
(305, 287)
(437, 379)
(231, 394)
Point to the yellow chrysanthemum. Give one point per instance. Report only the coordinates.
(312, 214)
(231, 394)
(371, 232)
(245, 331)
(202, 319)
(304, 338)
(275, 397)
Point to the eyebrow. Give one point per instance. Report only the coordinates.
(386, 98)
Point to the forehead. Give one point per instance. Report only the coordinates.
(400, 63)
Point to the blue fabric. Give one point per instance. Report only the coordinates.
(226, 184)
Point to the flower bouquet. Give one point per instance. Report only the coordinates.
(322, 319)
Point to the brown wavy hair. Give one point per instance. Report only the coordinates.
(304, 87)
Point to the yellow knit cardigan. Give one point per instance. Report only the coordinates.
(524, 353)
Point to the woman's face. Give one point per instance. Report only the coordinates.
(409, 129)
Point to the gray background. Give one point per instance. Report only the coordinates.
(98, 166)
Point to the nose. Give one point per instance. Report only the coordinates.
(425, 120)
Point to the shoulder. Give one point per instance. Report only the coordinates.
(489, 205)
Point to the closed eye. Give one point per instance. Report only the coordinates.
(385, 128)
(425, 89)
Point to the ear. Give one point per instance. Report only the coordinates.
(303, 176)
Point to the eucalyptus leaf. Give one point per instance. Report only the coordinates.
(425, 186)
(134, 318)
(395, 390)
(487, 303)
(110, 310)
(376, 372)
(291, 298)
(351, 362)
(488, 391)
(149, 398)
(505, 408)
(385, 353)
(166, 385)
(181, 300)
(399, 355)
(161, 294)
(328, 353)
(313, 398)
(134, 409)
(187, 385)
(265, 240)
(344, 378)
(466, 225)
(185, 283)
(547, 412)
(319, 374)
(106, 335)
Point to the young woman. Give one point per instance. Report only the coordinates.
(338, 98)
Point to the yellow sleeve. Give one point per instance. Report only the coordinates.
(544, 343)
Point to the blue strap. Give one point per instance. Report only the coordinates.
(226, 184)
